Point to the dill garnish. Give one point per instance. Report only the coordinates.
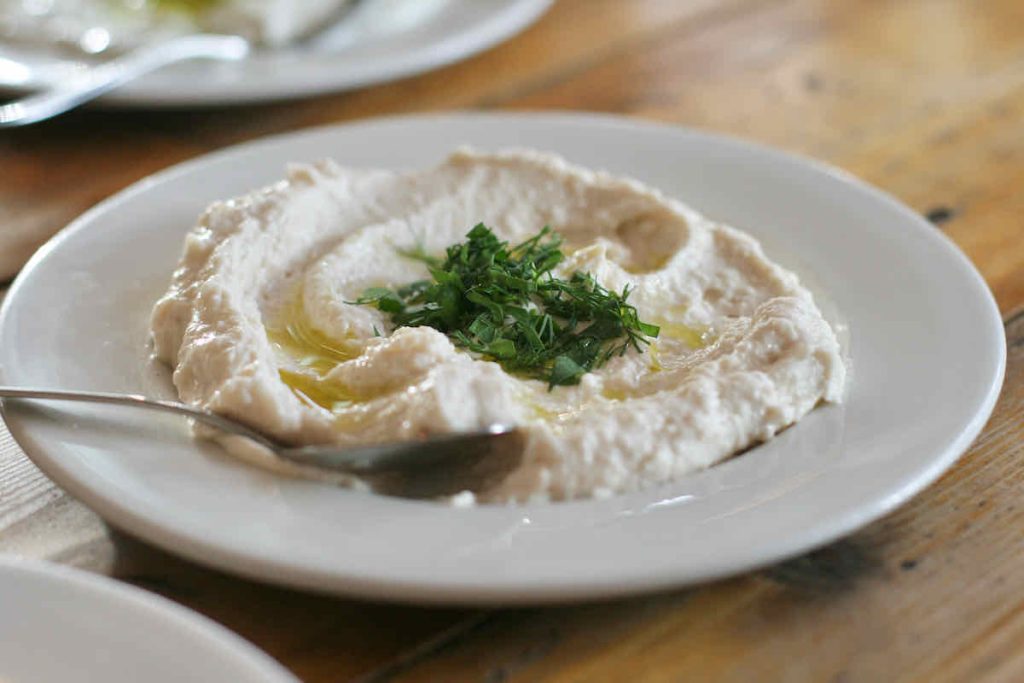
(505, 304)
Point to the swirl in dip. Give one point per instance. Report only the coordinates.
(259, 324)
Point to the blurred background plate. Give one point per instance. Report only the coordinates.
(59, 624)
(377, 41)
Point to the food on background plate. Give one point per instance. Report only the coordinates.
(630, 338)
(273, 23)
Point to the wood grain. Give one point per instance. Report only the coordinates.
(932, 592)
(924, 98)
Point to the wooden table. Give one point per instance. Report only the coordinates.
(924, 98)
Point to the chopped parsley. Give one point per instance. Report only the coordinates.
(505, 304)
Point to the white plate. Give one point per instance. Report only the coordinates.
(59, 624)
(378, 41)
(926, 343)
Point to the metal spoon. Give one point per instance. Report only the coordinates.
(139, 61)
(432, 466)
(95, 81)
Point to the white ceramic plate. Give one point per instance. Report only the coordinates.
(59, 624)
(926, 344)
(378, 41)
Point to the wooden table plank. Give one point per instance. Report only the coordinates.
(932, 592)
(921, 97)
(936, 133)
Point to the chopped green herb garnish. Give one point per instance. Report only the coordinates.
(505, 304)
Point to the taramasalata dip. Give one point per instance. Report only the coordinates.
(286, 311)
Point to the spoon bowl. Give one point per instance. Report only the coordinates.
(434, 465)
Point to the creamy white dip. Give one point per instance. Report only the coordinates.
(263, 285)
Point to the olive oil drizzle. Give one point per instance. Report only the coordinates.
(315, 353)
(693, 337)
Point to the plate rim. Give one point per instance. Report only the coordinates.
(125, 595)
(457, 593)
(503, 24)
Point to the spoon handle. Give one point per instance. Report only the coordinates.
(138, 401)
(98, 80)
(429, 466)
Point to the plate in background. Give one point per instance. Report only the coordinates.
(60, 624)
(378, 41)
(925, 339)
